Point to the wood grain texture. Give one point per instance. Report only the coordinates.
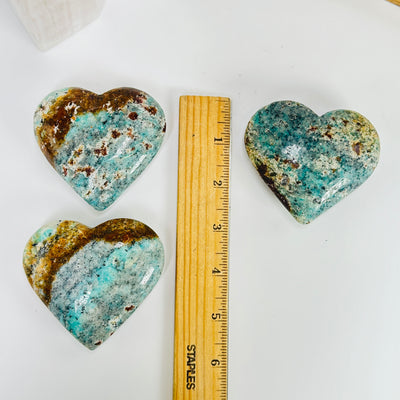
(397, 2)
(201, 314)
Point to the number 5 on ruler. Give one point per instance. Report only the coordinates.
(201, 310)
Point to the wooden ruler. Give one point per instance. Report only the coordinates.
(201, 309)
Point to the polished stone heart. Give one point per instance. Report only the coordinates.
(99, 144)
(92, 280)
(311, 162)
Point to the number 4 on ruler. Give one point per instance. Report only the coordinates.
(201, 311)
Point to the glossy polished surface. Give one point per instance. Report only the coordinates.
(92, 280)
(313, 309)
(99, 144)
(311, 162)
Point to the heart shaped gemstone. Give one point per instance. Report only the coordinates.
(92, 280)
(99, 144)
(311, 162)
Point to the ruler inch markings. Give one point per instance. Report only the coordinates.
(201, 304)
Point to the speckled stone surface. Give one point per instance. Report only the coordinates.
(99, 144)
(311, 162)
(92, 280)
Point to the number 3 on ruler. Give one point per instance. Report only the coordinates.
(201, 311)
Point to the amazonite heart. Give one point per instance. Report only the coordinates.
(311, 162)
(99, 144)
(92, 280)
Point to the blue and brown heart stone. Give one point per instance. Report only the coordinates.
(93, 279)
(311, 162)
(99, 144)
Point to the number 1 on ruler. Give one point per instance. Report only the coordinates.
(201, 311)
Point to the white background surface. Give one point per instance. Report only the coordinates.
(314, 310)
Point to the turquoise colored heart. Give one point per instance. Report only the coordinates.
(92, 280)
(99, 144)
(311, 162)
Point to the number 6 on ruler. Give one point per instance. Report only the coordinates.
(201, 303)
